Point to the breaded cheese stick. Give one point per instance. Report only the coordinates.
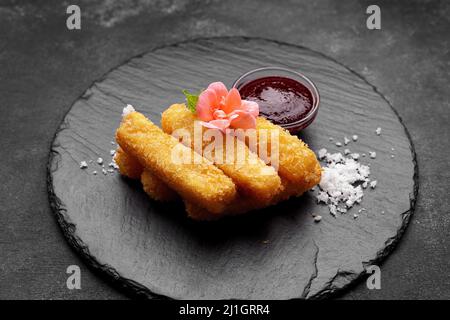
(297, 163)
(128, 166)
(250, 174)
(197, 180)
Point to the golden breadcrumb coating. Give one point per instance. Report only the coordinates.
(297, 163)
(128, 166)
(250, 174)
(197, 180)
(156, 189)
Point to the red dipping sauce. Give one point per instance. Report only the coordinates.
(285, 97)
(281, 100)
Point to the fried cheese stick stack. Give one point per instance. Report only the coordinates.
(297, 163)
(251, 175)
(197, 181)
(158, 190)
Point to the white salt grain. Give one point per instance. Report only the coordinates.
(83, 165)
(322, 197)
(338, 144)
(373, 184)
(355, 137)
(346, 140)
(355, 156)
(100, 161)
(94, 173)
(104, 171)
(346, 151)
(112, 152)
(378, 131)
(342, 210)
(373, 154)
(332, 210)
(317, 218)
(127, 110)
(321, 153)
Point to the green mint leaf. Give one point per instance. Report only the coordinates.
(191, 100)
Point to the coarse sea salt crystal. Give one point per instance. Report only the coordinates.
(373, 184)
(373, 154)
(112, 152)
(332, 210)
(127, 110)
(339, 144)
(355, 137)
(317, 218)
(322, 197)
(83, 165)
(378, 131)
(346, 140)
(347, 151)
(338, 187)
(322, 153)
(113, 163)
(100, 161)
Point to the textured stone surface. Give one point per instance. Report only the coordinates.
(45, 68)
(277, 253)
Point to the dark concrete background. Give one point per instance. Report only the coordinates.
(44, 67)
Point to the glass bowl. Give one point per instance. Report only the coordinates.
(302, 123)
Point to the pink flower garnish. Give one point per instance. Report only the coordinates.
(220, 109)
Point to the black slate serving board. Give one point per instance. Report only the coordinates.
(152, 250)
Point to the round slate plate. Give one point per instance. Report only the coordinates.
(152, 249)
